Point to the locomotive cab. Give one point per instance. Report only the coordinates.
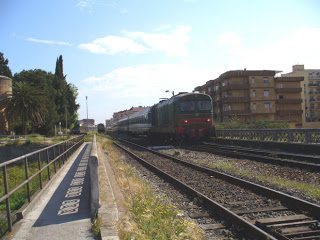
(194, 116)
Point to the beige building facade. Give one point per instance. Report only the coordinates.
(250, 96)
(310, 96)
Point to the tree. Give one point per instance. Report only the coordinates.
(28, 103)
(66, 94)
(4, 68)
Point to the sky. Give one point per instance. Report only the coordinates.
(129, 52)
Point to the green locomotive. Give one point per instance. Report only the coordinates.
(187, 115)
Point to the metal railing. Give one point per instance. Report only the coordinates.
(275, 135)
(35, 164)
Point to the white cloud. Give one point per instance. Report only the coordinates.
(85, 4)
(163, 27)
(112, 45)
(147, 80)
(299, 46)
(173, 44)
(49, 42)
(123, 11)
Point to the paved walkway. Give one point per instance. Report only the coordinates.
(63, 210)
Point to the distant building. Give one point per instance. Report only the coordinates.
(87, 125)
(310, 97)
(109, 123)
(5, 91)
(255, 95)
(126, 113)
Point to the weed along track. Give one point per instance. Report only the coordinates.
(220, 201)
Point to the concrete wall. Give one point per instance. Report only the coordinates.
(94, 180)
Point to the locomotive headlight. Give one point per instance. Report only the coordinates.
(185, 121)
(209, 120)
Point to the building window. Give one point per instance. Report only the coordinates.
(280, 85)
(253, 80)
(267, 106)
(209, 89)
(266, 118)
(223, 84)
(280, 97)
(253, 93)
(265, 80)
(266, 93)
(254, 106)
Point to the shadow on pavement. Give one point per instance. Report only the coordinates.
(70, 202)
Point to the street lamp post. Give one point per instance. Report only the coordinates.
(171, 92)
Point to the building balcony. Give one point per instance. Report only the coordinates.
(314, 84)
(235, 99)
(289, 112)
(289, 79)
(316, 92)
(237, 112)
(314, 100)
(288, 101)
(236, 86)
(314, 77)
(288, 90)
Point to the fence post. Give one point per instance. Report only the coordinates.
(27, 177)
(308, 137)
(6, 191)
(39, 166)
(48, 160)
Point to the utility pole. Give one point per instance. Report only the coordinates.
(87, 114)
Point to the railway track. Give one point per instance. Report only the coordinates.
(260, 211)
(309, 162)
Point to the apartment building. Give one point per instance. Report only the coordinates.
(310, 97)
(125, 113)
(255, 95)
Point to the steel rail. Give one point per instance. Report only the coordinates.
(206, 200)
(292, 201)
(256, 157)
(286, 155)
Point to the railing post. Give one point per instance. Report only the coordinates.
(290, 136)
(308, 137)
(48, 160)
(6, 191)
(54, 159)
(39, 166)
(27, 177)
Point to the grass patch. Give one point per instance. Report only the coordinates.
(310, 190)
(148, 216)
(96, 226)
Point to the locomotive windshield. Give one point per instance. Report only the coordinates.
(187, 106)
(204, 105)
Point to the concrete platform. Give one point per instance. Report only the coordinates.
(110, 198)
(61, 210)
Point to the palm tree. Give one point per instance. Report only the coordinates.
(26, 102)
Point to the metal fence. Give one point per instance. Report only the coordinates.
(275, 135)
(39, 165)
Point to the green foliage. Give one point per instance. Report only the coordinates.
(234, 123)
(28, 103)
(4, 68)
(58, 100)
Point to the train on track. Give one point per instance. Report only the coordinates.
(183, 116)
(101, 128)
